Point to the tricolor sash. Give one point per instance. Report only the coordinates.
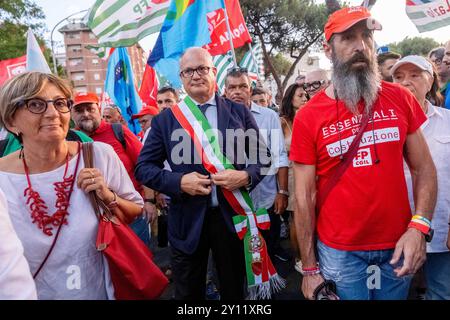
(262, 277)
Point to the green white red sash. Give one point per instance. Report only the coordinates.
(262, 277)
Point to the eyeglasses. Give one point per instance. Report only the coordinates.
(38, 105)
(201, 71)
(313, 85)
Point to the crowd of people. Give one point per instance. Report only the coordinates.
(354, 160)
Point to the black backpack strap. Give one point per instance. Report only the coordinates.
(3, 144)
(72, 136)
(118, 133)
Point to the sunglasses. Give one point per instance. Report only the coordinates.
(310, 86)
(237, 69)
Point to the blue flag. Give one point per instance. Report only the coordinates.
(120, 87)
(185, 26)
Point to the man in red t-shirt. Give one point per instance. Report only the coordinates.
(366, 243)
(86, 115)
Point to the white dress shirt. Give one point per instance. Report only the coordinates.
(268, 121)
(211, 115)
(437, 134)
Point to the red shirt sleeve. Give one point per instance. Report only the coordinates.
(134, 146)
(303, 146)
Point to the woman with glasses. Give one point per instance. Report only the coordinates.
(46, 187)
(294, 98)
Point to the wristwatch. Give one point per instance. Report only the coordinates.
(429, 235)
(427, 231)
(150, 200)
(283, 192)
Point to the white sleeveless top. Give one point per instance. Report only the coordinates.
(75, 269)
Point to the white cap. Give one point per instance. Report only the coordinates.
(418, 61)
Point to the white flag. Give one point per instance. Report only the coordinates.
(35, 57)
(223, 63)
(428, 15)
(122, 23)
(255, 68)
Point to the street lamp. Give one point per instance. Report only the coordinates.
(55, 71)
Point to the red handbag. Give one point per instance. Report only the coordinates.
(133, 273)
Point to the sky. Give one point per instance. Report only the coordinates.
(390, 13)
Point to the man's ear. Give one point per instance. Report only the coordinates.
(327, 49)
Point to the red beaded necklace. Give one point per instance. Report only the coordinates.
(38, 207)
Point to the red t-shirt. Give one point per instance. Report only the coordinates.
(368, 209)
(105, 134)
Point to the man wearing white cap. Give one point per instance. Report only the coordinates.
(416, 73)
(348, 145)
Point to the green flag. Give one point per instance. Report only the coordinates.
(122, 23)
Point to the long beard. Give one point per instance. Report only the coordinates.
(353, 84)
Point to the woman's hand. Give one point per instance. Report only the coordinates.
(91, 179)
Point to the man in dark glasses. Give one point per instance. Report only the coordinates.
(315, 81)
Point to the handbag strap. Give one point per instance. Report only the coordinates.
(63, 217)
(344, 164)
(88, 157)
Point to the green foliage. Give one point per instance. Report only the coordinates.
(13, 40)
(284, 26)
(16, 16)
(281, 64)
(414, 46)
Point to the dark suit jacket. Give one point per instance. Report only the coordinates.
(186, 212)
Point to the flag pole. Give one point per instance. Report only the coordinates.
(254, 60)
(230, 35)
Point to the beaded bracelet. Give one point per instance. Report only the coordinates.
(419, 218)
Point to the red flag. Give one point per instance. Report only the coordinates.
(12, 67)
(220, 43)
(149, 86)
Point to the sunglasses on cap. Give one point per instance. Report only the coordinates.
(237, 69)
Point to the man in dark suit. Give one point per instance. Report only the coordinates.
(200, 218)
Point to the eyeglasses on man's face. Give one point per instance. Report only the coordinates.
(201, 71)
(311, 86)
(38, 105)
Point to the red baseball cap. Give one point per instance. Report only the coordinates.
(85, 97)
(347, 17)
(151, 110)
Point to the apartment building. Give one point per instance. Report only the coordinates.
(84, 68)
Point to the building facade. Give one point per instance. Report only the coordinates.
(85, 69)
